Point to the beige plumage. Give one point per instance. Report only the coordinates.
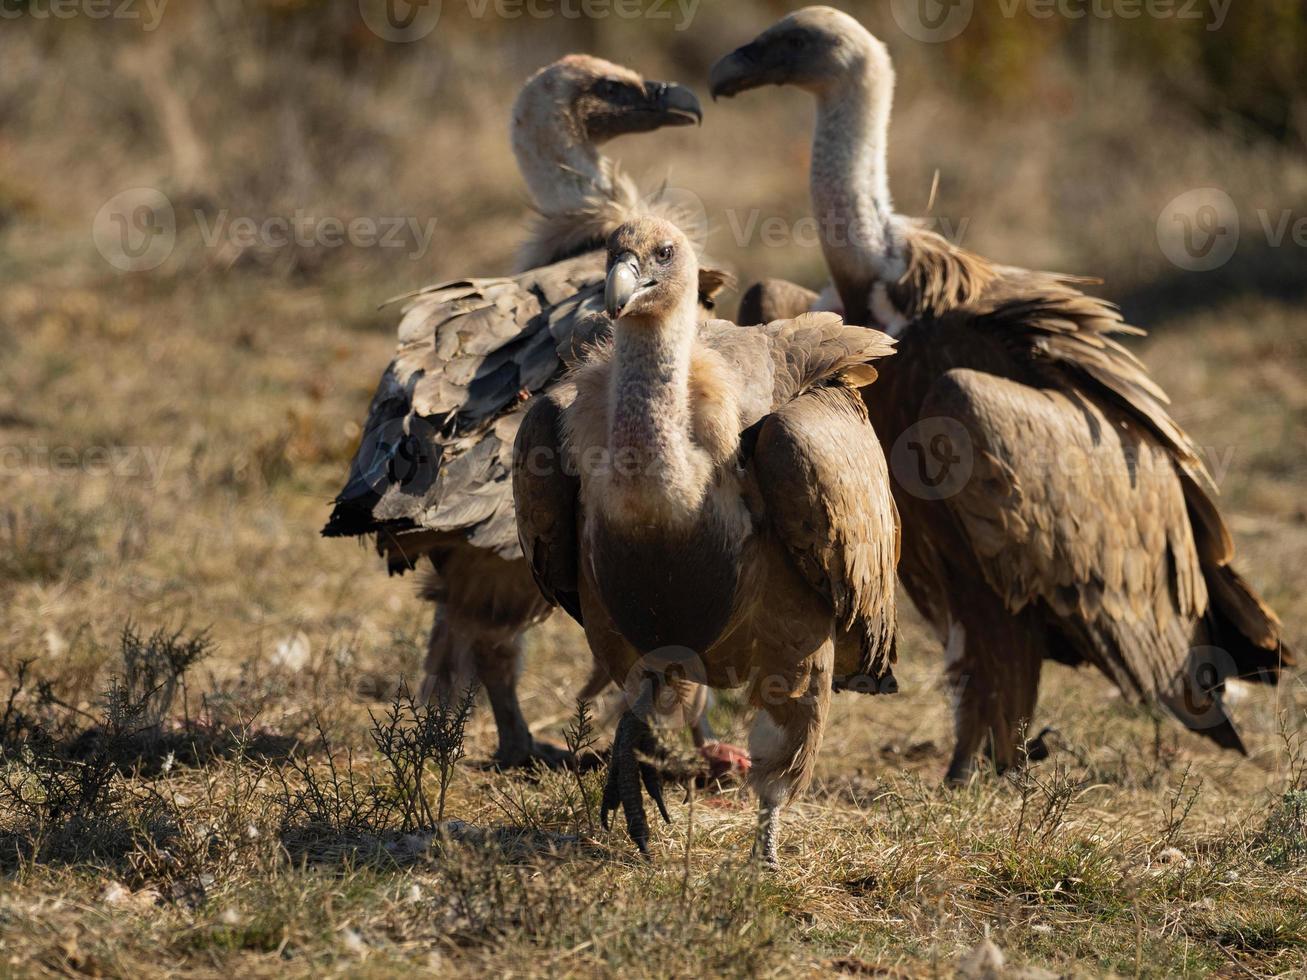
(710, 502)
(431, 477)
(1052, 507)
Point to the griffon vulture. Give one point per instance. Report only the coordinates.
(1052, 508)
(710, 502)
(430, 479)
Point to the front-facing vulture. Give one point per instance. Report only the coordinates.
(1052, 508)
(710, 502)
(430, 480)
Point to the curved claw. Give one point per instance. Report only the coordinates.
(653, 782)
(626, 771)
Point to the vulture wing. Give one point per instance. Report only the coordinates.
(546, 495)
(1112, 520)
(826, 486)
(435, 452)
(817, 348)
(1080, 509)
(827, 494)
(775, 299)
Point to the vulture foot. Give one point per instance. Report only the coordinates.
(725, 762)
(764, 845)
(634, 761)
(1037, 749)
(1043, 745)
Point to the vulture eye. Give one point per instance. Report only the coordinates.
(665, 253)
(608, 90)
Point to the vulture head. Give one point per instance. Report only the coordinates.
(594, 101)
(652, 269)
(813, 49)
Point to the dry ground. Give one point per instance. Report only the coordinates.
(1137, 850)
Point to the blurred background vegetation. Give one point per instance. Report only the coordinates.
(1059, 139)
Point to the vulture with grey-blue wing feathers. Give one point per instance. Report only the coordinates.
(430, 481)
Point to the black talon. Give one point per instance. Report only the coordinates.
(612, 798)
(1040, 748)
(653, 782)
(628, 786)
(634, 757)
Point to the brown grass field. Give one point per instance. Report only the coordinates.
(170, 442)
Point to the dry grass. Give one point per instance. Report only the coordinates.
(209, 410)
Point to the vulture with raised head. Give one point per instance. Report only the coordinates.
(1052, 508)
(710, 503)
(431, 476)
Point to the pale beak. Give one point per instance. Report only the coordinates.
(623, 279)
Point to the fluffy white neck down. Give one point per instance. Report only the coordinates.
(850, 183)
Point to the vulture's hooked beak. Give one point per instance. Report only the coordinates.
(739, 71)
(623, 282)
(676, 104)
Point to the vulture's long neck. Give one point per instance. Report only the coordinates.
(656, 468)
(580, 194)
(850, 184)
(562, 168)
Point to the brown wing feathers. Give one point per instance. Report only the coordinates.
(826, 489)
(1072, 338)
(818, 347)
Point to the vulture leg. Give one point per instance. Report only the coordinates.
(453, 664)
(634, 761)
(784, 742)
(994, 683)
(447, 672)
(498, 666)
